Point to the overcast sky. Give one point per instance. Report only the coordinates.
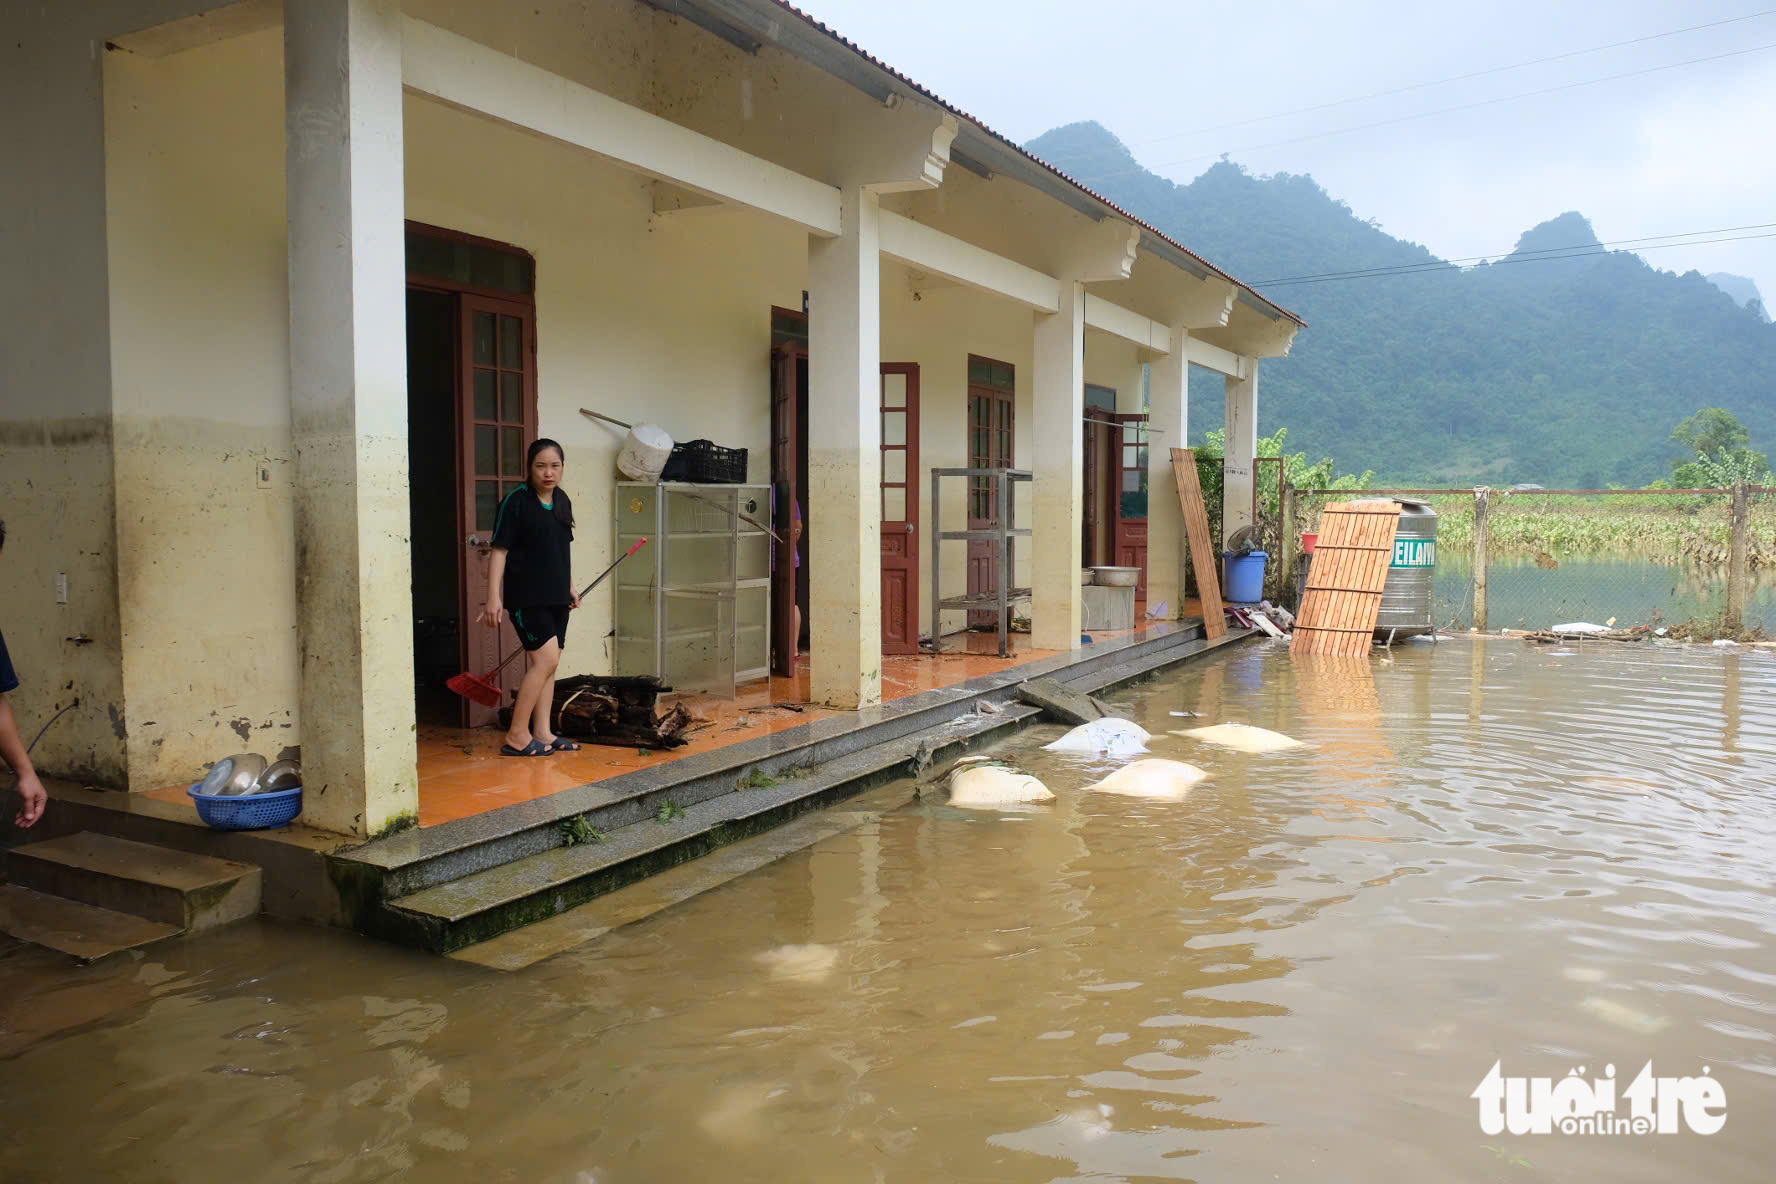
(1690, 148)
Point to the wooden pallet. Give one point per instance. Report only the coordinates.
(1350, 566)
(1202, 548)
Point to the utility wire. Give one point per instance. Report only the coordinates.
(1587, 251)
(1576, 247)
(1547, 90)
(1400, 90)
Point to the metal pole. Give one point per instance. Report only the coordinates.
(936, 580)
(1482, 515)
(1735, 615)
(1006, 570)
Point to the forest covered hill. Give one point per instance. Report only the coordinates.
(1567, 370)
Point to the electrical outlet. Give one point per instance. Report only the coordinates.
(262, 473)
(61, 587)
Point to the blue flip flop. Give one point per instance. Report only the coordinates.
(563, 745)
(534, 748)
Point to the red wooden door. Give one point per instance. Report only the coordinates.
(1131, 497)
(498, 418)
(785, 448)
(989, 447)
(900, 507)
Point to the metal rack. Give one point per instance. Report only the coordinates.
(1003, 481)
(699, 615)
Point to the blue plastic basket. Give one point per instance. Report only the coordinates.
(250, 812)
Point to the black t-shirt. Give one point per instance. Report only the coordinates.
(8, 680)
(536, 539)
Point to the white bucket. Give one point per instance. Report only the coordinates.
(644, 453)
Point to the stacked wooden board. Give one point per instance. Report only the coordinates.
(1344, 583)
(1202, 548)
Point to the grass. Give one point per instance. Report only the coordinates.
(669, 812)
(1651, 527)
(757, 778)
(577, 830)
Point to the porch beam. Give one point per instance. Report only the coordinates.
(1169, 417)
(921, 246)
(844, 500)
(1124, 323)
(1058, 400)
(1222, 361)
(465, 74)
(348, 412)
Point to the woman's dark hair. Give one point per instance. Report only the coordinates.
(563, 504)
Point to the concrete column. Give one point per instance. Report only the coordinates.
(843, 507)
(1242, 449)
(1058, 402)
(348, 411)
(1167, 549)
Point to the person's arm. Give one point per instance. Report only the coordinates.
(495, 612)
(12, 750)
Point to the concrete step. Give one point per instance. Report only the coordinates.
(526, 946)
(76, 929)
(188, 892)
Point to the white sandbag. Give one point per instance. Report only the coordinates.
(975, 783)
(1110, 736)
(1160, 780)
(1242, 738)
(800, 963)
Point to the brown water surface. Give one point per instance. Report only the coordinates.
(1487, 850)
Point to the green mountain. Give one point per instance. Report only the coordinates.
(1742, 288)
(1563, 364)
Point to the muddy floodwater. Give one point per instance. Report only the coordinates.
(1486, 852)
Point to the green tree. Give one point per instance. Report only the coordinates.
(1711, 430)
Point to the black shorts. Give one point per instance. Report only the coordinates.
(535, 626)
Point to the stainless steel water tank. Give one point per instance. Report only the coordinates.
(1406, 597)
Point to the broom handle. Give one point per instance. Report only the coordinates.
(584, 592)
(605, 418)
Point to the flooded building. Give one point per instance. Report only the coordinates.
(290, 288)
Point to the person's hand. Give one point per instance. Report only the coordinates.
(795, 531)
(575, 602)
(494, 615)
(33, 800)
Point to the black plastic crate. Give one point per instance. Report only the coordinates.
(705, 463)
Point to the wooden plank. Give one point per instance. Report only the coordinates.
(1202, 550)
(1344, 584)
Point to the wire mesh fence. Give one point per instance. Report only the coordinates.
(1616, 558)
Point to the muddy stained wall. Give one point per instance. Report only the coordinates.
(199, 352)
(55, 397)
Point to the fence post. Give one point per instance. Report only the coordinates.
(1735, 615)
(1286, 543)
(1482, 512)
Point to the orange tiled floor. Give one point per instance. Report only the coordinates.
(462, 774)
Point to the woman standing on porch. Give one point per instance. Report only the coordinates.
(531, 577)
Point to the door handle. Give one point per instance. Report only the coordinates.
(474, 540)
(911, 527)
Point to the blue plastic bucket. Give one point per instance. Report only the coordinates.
(1245, 577)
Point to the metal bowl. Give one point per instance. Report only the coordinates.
(1085, 577)
(1116, 577)
(216, 780)
(279, 775)
(247, 767)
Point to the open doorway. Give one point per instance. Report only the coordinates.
(471, 414)
(1100, 462)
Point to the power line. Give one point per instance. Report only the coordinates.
(1548, 90)
(1400, 90)
(1433, 264)
(1578, 253)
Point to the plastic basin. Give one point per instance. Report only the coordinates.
(257, 811)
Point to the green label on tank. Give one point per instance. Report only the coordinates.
(1415, 553)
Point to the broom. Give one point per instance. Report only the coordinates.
(481, 688)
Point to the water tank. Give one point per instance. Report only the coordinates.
(1406, 597)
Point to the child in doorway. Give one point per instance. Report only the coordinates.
(531, 578)
(12, 745)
